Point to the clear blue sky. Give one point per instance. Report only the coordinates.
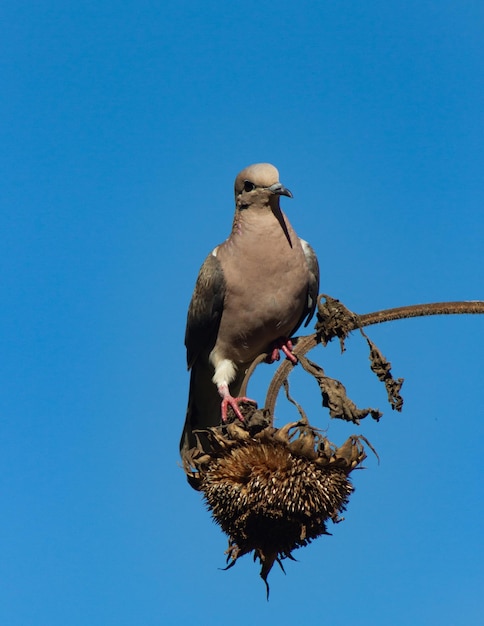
(123, 125)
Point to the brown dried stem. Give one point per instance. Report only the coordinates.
(304, 344)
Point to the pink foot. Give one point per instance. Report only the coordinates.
(234, 403)
(286, 346)
(229, 400)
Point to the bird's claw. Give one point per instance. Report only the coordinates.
(234, 403)
(287, 347)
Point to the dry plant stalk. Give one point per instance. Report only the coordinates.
(272, 490)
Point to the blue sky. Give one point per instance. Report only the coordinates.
(123, 126)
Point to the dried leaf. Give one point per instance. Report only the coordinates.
(334, 320)
(382, 368)
(334, 396)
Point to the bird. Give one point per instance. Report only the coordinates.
(252, 293)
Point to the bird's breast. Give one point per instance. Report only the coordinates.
(266, 281)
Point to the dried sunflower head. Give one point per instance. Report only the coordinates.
(272, 490)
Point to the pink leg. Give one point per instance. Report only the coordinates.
(229, 400)
(286, 346)
(274, 356)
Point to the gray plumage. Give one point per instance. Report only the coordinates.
(255, 288)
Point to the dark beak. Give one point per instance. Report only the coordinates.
(280, 190)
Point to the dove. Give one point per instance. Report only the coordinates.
(252, 293)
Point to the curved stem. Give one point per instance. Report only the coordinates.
(304, 344)
(472, 307)
(257, 361)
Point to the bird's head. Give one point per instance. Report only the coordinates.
(258, 186)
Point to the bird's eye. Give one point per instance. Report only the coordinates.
(248, 186)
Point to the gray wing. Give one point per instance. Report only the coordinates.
(313, 284)
(205, 310)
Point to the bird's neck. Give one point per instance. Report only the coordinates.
(258, 223)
